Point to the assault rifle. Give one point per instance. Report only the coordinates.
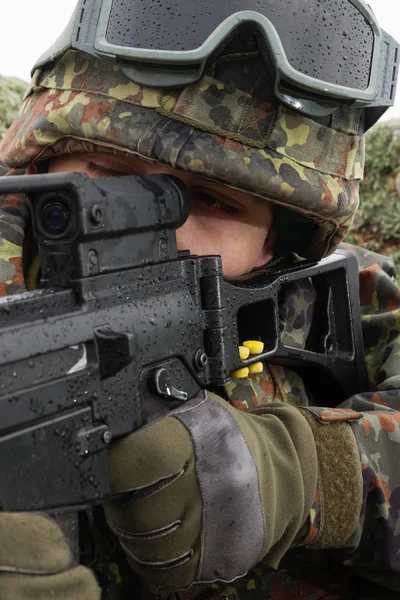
(125, 326)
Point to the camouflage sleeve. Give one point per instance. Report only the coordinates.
(369, 423)
(374, 549)
(14, 217)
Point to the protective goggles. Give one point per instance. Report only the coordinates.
(321, 50)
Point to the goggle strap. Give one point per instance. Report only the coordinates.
(388, 72)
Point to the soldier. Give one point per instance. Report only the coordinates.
(263, 493)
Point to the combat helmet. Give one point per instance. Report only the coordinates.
(268, 97)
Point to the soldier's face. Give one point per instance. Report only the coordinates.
(225, 221)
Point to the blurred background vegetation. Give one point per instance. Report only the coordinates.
(377, 224)
(11, 92)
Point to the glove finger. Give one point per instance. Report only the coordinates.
(159, 526)
(153, 454)
(32, 543)
(75, 583)
(161, 530)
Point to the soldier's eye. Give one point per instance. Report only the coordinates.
(214, 203)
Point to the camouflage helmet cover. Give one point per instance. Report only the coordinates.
(227, 127)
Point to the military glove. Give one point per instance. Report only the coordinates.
(36, 562)
(211, 490)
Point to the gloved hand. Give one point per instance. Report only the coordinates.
(212, 490)
(36, 563)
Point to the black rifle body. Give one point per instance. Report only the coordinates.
(125, 327)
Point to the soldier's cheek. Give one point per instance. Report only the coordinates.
(240, 245)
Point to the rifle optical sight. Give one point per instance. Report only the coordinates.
(55, 219)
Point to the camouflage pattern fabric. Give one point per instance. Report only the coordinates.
(225, 127)
(14, 216)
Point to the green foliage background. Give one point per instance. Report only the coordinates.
(11, 92)
(377, 224)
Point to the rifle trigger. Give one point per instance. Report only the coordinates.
(165, 388)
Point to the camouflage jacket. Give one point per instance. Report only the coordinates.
(369, 566)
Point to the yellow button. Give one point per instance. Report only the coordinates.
(254, 346)
(243, 352)
(257, 367)
(240, 373)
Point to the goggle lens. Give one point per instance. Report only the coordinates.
(328, 41)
